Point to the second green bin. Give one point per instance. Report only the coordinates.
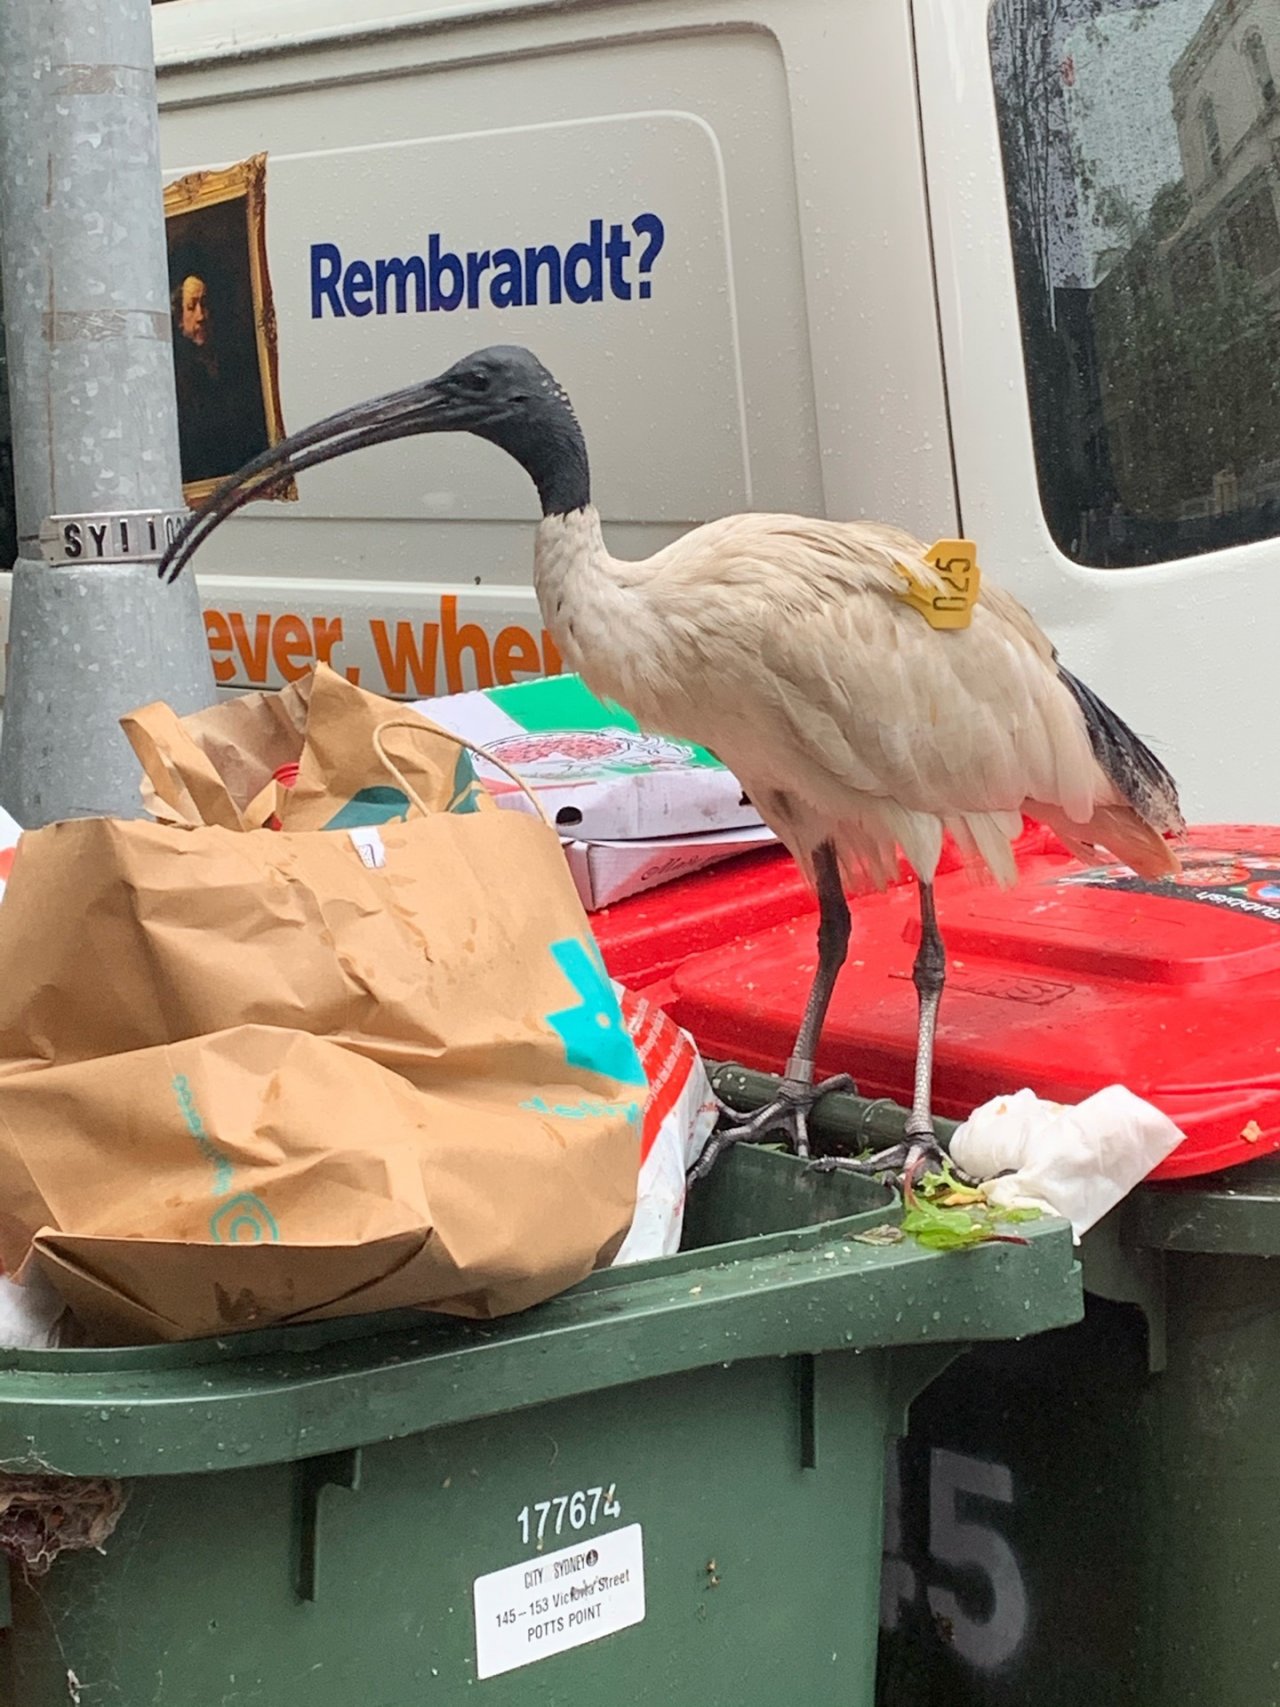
(1093, 1519)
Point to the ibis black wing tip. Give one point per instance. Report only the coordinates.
(1139, 776)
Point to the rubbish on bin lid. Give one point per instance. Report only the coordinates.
(606, 872)
(633, 810)
(597, 771)
(32, 1313)
(1077, 1162)
(1076, 978)
(886, 1234)
(943, 1215)
(679, 1115)
(339, 1087)
(228, 765)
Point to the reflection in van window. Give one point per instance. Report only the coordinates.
(1141, 143)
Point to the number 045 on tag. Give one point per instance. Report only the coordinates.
(556, 1601)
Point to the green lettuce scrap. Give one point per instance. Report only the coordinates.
(942, 1226)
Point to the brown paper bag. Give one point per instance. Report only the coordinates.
(247, 1077)
(218, 766)
(260, 1175)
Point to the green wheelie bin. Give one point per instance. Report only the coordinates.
(1092, 1518)
(662, 1487)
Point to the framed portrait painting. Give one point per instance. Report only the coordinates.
(225, 356)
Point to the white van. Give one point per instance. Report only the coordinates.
(1005, 270)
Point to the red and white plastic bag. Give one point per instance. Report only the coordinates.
(679, 1115)
(9, 834)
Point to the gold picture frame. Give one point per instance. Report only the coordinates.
(207, 234)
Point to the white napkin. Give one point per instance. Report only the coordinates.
(31, 1312)
(1076, 1161)
(9, 834)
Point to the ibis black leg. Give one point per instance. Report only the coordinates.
(929, 975)
(789, 1112)
(921, 1147)
(833, 948)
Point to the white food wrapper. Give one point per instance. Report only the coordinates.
(31, 1312)
(1073, 1160)
(679, 1115)
(9, 834)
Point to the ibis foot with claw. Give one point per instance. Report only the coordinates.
(918, 1154)
(786, 1116)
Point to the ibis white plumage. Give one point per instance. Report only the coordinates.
(789, 646)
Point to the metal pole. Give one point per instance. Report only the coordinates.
(92, 633)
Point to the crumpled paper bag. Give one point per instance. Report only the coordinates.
(250, 1077)
(218, 766)
(257, 1175)
(1077, 1161)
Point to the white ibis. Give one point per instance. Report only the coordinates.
(808, 656)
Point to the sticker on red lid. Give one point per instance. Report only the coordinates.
(1239, 881)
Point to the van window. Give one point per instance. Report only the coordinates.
(1141, 144)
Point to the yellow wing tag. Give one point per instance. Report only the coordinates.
(951, 605)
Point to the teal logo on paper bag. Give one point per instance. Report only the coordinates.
(243, 1218)
(383, 804)
(593, 1032)
(467, 787)
(379, 805)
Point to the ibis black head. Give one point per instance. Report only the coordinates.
(503, 394)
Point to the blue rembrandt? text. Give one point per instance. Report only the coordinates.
(441, 280)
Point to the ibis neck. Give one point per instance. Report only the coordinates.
(585, 596)
(549, 446)
(564, 485)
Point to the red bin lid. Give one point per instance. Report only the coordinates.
(1074, 979)
(645, 937)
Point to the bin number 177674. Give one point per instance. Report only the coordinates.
(582, 1508)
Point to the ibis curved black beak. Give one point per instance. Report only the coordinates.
(418, 408)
